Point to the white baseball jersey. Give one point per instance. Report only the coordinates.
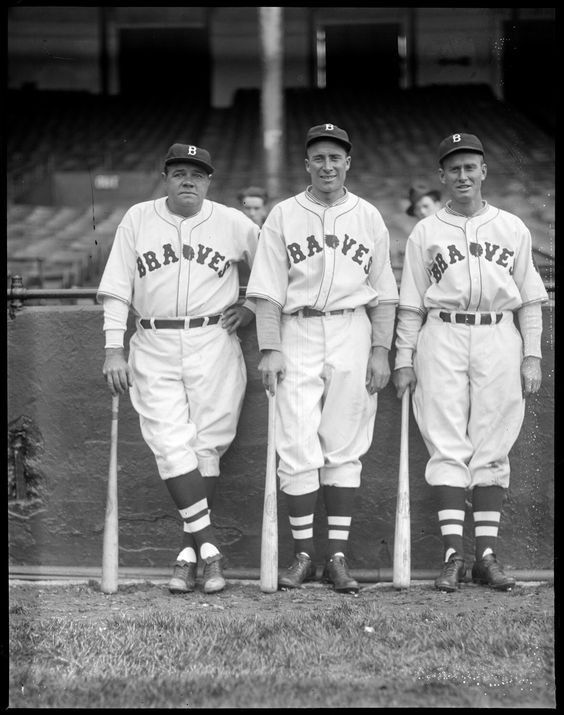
(323, 257)
(166, 266)
(481, 263)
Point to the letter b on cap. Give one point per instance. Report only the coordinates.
(329, 127)
(456, 138)
(191, 150)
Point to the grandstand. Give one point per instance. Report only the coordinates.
(58, 242)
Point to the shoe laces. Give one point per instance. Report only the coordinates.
(494, 567)
(298, 564)
(452, 566)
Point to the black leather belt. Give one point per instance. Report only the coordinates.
(313, 313)
(179, 323)
(470, 318)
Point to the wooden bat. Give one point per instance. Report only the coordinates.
(269, 540)
(111, 539)
(402, 540)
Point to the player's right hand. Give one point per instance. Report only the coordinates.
(116, 371)
(402, 379)
(272, 368)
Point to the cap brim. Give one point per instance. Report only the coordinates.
(208, 167)
(347, 145)
(472, 149)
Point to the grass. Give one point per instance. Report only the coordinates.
(352, 652)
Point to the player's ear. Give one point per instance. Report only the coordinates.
(441, 175)
(484, 170)
(348, 162)
(307, 166)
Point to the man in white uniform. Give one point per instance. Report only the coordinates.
(174, 264)
(468, 270)
(326, 300)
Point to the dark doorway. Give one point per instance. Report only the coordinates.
(362, 57)
(530, 71)
(165, 61)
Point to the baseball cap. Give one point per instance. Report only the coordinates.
(328, 131)
(188, 152)
(459, 142)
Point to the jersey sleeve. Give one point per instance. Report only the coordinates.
(415, 280)
(525, 272)
(248, 232)
(381, 276)
(119, 272)
(269, 274)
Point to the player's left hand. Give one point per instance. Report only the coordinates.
(377, 370)
(235, 317)
(531, 375)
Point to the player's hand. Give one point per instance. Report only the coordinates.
(531, 376)
(116, 371)
(272, 368)
(235, 317)
(377, 370)
(404, 378)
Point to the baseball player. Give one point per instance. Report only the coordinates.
(468, 270)
(174, 264)
(326, 301)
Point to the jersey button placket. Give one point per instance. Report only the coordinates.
(473, 266)
(328, 269)
(184, 237)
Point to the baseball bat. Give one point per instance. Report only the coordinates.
(111, 537)
(402, 541)
(269, 540)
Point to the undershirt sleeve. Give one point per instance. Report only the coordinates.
(382, 317)
(268, 325)
(530, 326)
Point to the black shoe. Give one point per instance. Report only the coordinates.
(213, 580)
(183, 577)
(488, 572)
(453, 572)
(301, 569)
(336, 572)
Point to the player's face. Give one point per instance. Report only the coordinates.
(425, 207)
(327, 163)
(463, 173)
(255, 209)
(186, 186)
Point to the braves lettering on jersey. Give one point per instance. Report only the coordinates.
(323, 257)
(167, 266)
(482, 263)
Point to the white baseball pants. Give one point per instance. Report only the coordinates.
(325, 416)
(468, 401)
(188, 389)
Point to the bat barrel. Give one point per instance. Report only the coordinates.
(269, 540)
(402, 540)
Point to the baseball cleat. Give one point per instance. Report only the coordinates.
(183, 577)
(453, 572)
(336, 572)
(301, 569)
(213, 574)
(488, 572)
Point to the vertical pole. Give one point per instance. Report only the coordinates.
(272, 95)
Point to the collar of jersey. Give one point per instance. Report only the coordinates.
(450, 210)
(313, 199)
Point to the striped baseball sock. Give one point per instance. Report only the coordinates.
(188, 492)
(486, 510)
(452, 508)
(339, 504)
(301, 512)
(189, 547)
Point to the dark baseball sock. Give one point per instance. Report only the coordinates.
(188, 491)
(301, 512)
(486, 511)
(188, 541)
(451, 507)
(339, 504)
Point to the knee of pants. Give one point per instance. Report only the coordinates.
(342, 475)
(298, 484)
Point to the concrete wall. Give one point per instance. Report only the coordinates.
(59, 414)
